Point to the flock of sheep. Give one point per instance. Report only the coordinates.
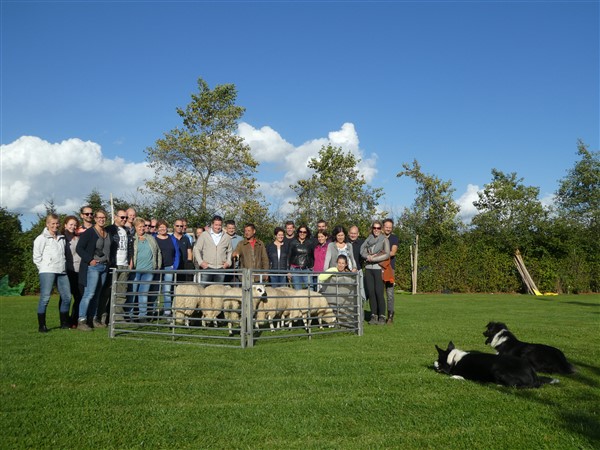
(278, 307)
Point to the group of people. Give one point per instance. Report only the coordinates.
(78, 256)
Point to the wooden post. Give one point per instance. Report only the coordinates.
(414, 263)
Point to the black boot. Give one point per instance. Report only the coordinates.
(42, 323)
(65, 322)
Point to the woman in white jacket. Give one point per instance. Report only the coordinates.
(49, 257)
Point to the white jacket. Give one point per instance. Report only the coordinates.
(49, 253)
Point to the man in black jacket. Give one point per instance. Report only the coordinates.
(121, 248)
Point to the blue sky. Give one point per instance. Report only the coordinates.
(463, 87)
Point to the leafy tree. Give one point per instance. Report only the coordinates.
(578, 200)
(11, 263)
(336, 192)
(95, 200)
(578, 194)
(509, 213)
(203, 166)
(433, 215)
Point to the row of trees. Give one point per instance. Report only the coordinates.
(203, 167)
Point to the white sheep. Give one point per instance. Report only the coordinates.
(306, 304)
(212, 303)
(274, 306)
(232, 303)
(185, 301)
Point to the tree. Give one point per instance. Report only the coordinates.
(203, 166)
(578, 194)
(336, 192)
(509, 213)
(434, 212)
(11, 262)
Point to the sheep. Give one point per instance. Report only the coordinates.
(185, 301)
(275, 305)
(306, 304)
(232, 303)
(212, 303)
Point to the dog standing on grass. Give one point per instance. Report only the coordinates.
(543, 358)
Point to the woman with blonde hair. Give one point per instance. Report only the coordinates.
(94, 249)
(146, 257)
(49, 257)
(374, 250)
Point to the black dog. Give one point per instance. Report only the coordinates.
(488, 368)
(543, 358)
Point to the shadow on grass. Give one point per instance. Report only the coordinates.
(575, 418)
(593, 305)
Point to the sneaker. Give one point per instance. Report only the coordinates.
(99, 324)
(373, 320)
(381, 320)
(83, 326)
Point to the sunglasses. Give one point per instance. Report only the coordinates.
(179, 226)
(122, 217)
(87, 214)
(302, 231)
(377, 228)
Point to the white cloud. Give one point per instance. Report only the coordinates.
(287, 163)
(465, 201)
(35, 171)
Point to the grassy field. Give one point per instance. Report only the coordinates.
(68, 389)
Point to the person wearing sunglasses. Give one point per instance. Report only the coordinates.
(87, 219)
(375, 250)
(94, 249)
(120, 254)
(301, 257)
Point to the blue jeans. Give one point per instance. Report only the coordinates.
(278, 280)
(96, 277)
(167, 288)
(300, 281)
(139, 290)
(217, 278)
(64, 289)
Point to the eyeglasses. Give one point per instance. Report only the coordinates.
(302, 232)
(87, 214)
(377, 228)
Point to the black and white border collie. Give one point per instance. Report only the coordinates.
(487, 368)
(543, 358)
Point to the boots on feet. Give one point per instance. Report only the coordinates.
(64, 321)
(42, 323)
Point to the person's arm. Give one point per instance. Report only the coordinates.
(38, 250)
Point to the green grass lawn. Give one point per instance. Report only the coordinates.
(68, 389)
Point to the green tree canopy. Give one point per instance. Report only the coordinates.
(336, 192)
(204, 166)
(578, 194)
(509, 212)
(434, 212)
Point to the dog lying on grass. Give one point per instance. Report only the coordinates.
(543, 358)
(487, 368)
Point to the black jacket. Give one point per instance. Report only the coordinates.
(301, 255)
